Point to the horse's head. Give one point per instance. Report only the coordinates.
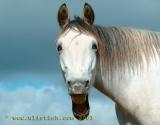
(77, 50)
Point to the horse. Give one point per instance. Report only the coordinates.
(123, 63)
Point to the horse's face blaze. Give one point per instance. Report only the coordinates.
(77, 55)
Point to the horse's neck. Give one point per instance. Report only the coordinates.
(132, 90)
(115, 88)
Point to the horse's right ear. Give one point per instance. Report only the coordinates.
(88, 14)
(63, 18)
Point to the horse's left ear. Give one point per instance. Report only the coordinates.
(88, 14)
(63, 18)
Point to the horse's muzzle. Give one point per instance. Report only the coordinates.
(80, 106)
(78, 88)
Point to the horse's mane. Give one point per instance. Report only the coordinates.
(120, 47)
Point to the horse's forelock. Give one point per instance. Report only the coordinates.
(96, 32)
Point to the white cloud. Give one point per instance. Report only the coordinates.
(51, 101)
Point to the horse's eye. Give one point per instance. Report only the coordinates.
(59, 48)
(94, 46)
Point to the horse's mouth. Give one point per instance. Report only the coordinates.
(80, 106)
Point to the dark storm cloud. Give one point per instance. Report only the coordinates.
(27, 35)
(28, 29)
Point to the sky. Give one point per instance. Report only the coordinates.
(31, 82)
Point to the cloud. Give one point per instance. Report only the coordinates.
(50, 100)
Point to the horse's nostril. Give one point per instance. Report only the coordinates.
(69, 82)
(87, 82)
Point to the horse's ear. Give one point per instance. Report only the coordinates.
(63, 18)
(88, 14)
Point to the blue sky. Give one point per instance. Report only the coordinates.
(30, 77)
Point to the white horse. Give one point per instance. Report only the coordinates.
(122, 63)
